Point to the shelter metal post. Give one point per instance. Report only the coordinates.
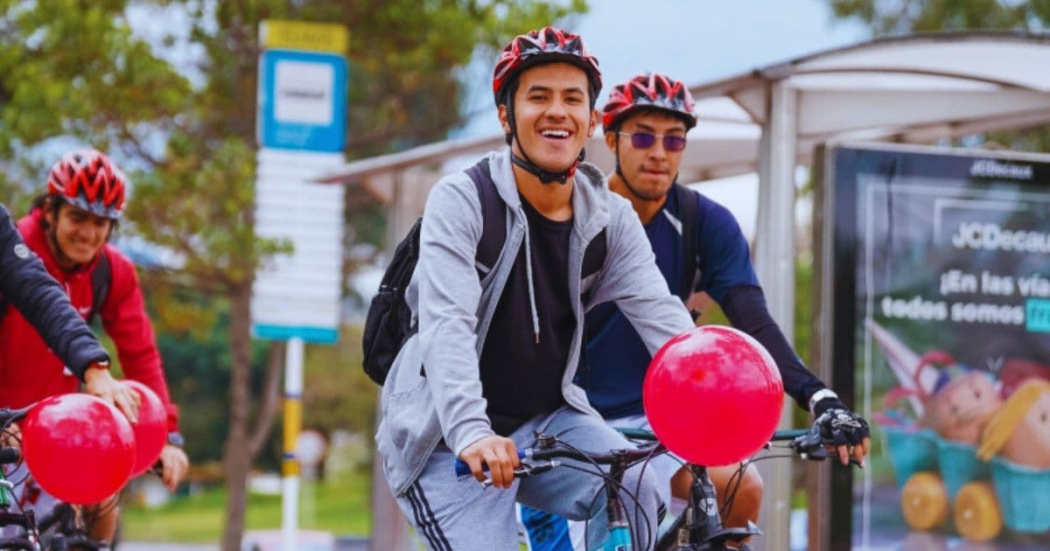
(775, 264)
(818, 476)
(390, 530)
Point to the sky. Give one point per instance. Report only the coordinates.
(694, 41)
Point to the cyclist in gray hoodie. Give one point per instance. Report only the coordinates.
(494, 358)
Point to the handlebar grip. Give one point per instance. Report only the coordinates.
(462, 469)
(10, 455)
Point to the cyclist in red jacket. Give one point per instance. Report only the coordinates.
(69, 229)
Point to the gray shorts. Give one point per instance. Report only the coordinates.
(457, 513)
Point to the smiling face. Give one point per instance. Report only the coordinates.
(961, 410)
(1029, 445)
(648, 172)
(552, 115)
(78, 234)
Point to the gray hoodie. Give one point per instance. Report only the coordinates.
(454, 309)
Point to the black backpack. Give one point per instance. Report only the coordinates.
(100, 278)
(388, 323)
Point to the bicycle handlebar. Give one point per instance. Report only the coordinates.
(778, 436)
(462, 469)
(548, 449)
(8, 415)
(10, 455)
(806, 443)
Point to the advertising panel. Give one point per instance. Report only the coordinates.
(940, 323)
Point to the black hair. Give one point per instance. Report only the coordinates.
(46, 201)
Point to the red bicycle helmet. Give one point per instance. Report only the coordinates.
(547, 45)
(648, 91)
(87, 179)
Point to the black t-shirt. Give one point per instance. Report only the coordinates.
(520, 376)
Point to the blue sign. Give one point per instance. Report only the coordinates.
(319, 335)
(302, 100)
(1038, 315)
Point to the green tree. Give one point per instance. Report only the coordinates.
(895, 17)
(898, 17)
(78, 70)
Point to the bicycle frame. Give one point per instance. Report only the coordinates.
(26, 520)
(700, 527)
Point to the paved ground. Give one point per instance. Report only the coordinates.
(139, 546)
(342, 544)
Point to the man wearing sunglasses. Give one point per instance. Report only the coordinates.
(699, 248)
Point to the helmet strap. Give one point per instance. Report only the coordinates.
(619, 172)
(526, 164)
(627, 183)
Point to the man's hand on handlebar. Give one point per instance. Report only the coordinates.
(844, 432)
(498, 453)
(11, 436)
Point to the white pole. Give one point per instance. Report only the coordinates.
(775, 264)
(293, 410)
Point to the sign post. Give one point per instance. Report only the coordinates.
(301, 132)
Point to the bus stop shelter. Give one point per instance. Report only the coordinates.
(913, 89)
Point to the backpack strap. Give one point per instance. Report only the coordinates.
(688, 207)
(494, 216)
(594, 255)
(593, 260)
(100, 280)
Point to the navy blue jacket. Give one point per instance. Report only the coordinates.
(616, 360)
(26, 285)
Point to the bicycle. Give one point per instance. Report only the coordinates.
(698, 528)
(61, 529)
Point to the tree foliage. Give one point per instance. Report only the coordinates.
(105, 74)
(895, 17)
(898, 17)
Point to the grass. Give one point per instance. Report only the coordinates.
(337, 506)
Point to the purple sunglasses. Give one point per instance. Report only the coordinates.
(645, 140)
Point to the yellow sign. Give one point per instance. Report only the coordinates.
(301, 35)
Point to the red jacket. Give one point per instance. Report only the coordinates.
(30, 372)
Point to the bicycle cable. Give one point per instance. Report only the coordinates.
(618, 485)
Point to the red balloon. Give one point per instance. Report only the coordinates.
(79, 448)
(713, 395)
(151, 432)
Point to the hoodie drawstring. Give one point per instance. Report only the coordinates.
(532, 290)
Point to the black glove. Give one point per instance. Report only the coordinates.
(838, 425)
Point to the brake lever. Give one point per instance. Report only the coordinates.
(810, 447)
